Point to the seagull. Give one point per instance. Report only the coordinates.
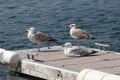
(75, 51)
(1, 50)
(79, 34)
(38, 37)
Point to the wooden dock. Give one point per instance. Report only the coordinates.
(54, 65)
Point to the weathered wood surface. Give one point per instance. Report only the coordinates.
(49, 72)
(106, 62)
(54, 65)
(101, 61)
(39, 67)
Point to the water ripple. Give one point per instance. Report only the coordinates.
(99, 17)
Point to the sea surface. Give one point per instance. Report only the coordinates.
(101, 18)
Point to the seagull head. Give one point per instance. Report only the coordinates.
(2, 50)
(67, 45)
(31, 30)
(72, 26)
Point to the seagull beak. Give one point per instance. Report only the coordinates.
(63, 46)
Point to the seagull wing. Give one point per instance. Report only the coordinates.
(42, 37)
(75, 51)
(79, 51)
(81, 34)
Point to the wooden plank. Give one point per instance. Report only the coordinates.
(112, 70)
(46, 72)
(59, 56)
(51, 56)
(44, 55)
(96, 65)
(86, 59)
(56, 66)
(59, 59)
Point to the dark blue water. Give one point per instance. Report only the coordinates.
(101, 18)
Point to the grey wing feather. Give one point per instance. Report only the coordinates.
(42, 37)
(79, 51)
(82, 34)
(75, 51)
(87, 35)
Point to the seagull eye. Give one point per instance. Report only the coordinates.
(72, 25)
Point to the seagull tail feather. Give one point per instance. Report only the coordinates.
(93, 38)
(51, 39)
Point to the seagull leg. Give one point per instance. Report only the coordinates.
(48, 45)
(79, 43)
(38, 48)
